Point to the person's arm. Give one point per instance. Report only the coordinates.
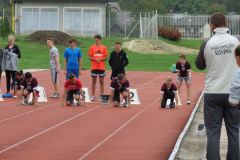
(125, 63)
(83, 97)
(35, 98)
(176, 98)
(111, 61)
(65, 65)
(57, 64)
(102, 59)
(92, 59)
(18, 51)
(160, 100)
(64, 96)
(111, 97)
(129, 97)
(235, 90)
(19, 96)
(80, 66)
(200, 60)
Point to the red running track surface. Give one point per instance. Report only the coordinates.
(95, 132)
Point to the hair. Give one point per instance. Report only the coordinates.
(28, 75)
(120, 76)
(98, 36)
(19, 73)
(12, 37)
(71, 76)
(50, 39)
(72, 40)
(118, 42)
(169, 79)
(182, 56)
(237, 51)
(218, 19)
(176, 61)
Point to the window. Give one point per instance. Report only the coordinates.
(34, 19)
(196, 30)
(82, 21)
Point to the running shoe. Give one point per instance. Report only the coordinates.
(30, 103)
(93, 98)
(56, 95)
(52, 96)
(15, 96)
(24, 101)
(188, 101)
(80, 102)
(125, 104)
(75, 104)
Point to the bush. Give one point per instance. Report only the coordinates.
(169, 33)
(5, 28)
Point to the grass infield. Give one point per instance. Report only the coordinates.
(35, 55)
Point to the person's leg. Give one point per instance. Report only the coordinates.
(101, 80)
(15, 88)
(231, 119)
(75, 71)
(69, 98)
(56, 85)
(125, 95)
(213, 115)
(164, 100)
(188, 88)
(77, 95)
(8, 79)
(116, 99)
(0, 75)
(94, 80)
(179, 85)
(13, 74)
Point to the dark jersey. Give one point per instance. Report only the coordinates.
(117, 87)
(30, 85)
(164, 88)
(183, 68)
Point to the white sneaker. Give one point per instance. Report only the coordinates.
(125, 104)
(15, 96)
(24, 101)
(93, 98)
(75, 104)
(188, 101)
(52, 95)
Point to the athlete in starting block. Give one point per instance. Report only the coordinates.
(168, 91)
(73, 86)
(28, 84)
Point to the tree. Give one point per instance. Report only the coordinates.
(216, 8)
(145, 6)
(127, 4)
(5, 28)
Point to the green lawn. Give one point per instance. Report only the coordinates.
(35, 55)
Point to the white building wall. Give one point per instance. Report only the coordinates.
(60, 6)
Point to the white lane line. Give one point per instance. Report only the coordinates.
(27, 112)
(99, 144)
(48, 129)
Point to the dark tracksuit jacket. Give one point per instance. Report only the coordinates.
(117, 62)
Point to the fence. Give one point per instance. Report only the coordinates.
(6, 13)
(196, 26)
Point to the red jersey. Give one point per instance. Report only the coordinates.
(73, 87)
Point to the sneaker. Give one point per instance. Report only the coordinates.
(125, 104)
(75, 104)
(15, 96)
(30, 103)
(24, 101)
(80, 102)
(56, 95)
(52, 96)
(188, 101)
(93, 98)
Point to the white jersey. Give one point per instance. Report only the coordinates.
(217, 55)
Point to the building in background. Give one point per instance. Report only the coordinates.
(74, 17)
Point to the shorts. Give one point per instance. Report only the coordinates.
(115, 73)
(54, 75)
(37, 93)
(116, 95)
(185, 78)
(96, 72)
(74, 71)
(18, 83)
(70, 94)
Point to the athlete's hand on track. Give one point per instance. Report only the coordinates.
(36, 104)
(65, 72)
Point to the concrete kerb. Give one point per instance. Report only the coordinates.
(29, 70)
(182, 135)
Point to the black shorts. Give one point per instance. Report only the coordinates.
(96, 72)
(18, 83)
(70, 94)
(116, 96)
(116, 72)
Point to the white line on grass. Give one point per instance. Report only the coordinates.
(99, 144)
(48, 129)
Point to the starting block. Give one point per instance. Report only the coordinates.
(42, 96)
(1, 96)
(169, 101)
(104, 99)
(86, 94)
(134, 97)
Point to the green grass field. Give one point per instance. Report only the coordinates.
(35, 55)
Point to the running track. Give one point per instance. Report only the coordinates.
(95, 132)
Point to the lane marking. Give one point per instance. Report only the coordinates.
(107, 138)
(48, 129)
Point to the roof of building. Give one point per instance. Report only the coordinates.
(232, 13)
(100, 1)
(114, 4)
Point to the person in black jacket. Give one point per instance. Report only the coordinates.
(118, 60)
(11, 47)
